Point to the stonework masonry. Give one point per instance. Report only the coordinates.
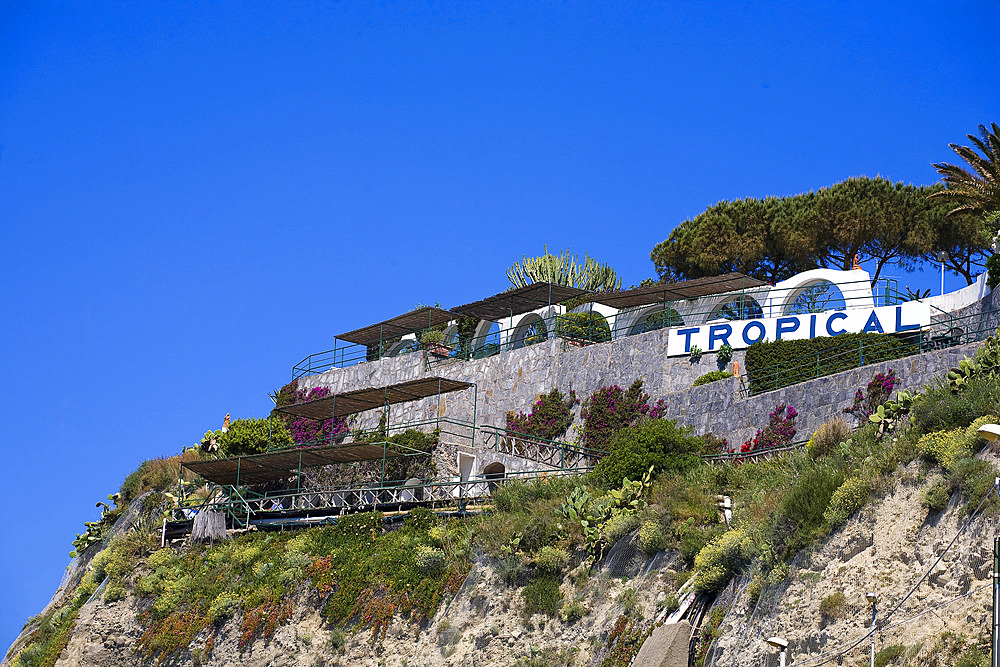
(513, 380)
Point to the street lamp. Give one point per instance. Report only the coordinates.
(872, 600)
(782, 645)
(942, 257)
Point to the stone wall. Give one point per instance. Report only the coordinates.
(512, 381)
(720, 409)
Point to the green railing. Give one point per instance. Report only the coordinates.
(946, 331)
(242, 507)
(456, 429)
(552, 453)
(738, 456)
(579, 329)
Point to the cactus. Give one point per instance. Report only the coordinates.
(576, 505)
(564, 270)
(959, 376)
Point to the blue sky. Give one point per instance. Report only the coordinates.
(195, 196)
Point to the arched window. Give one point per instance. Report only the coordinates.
(740, 308)
(656, 318)
(494, 474)
(815, 298)
(531, 330)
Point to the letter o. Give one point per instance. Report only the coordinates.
(760, 327)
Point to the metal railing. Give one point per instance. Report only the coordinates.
(449, 427)
(553, 453)
(243, 507)
(945, 331)
(579, 329)
(755, 455)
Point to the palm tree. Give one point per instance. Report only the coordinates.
(975, 193)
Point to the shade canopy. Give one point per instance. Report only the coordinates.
(276, 466)
(407, 323)
(359, 400)
(519, 301)
(687, 289)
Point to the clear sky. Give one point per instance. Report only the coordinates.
(194, 196)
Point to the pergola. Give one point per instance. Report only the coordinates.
(282, 464)
(401, 325)
(519, 301)
(687, 289)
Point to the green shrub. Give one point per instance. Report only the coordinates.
(832, 605)
(574, 611)
(671, 604)
(772, 365)
(947, 447)
(551, 559)
(660, 443)
(224, 606)
(694, 538)
(889, 655)
(828, 436)
(974, 478)
(939, 409)
(159, 474)
(973, 657)
(799, 516)
(936, 496)
(517, 495)
(652, 538)
(628, 599)
(846, 500)
(337, 640)
(115, 591)
(253, 436)
(724, 557)
(428, 559)
(711, 377)
(592, 327)
(618, 526)
(725, 354)
(542, 596)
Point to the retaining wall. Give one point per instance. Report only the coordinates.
(512, 381)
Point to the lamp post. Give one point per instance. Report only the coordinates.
(942, 257)
(990, 433)
(781, 644)
(872, 600)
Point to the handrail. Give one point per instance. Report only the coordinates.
(752, 455)
(622, 324)
(441, 489)
(939, 335)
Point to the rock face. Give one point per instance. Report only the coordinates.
(666, 647)
(891, 548)
(483, 625)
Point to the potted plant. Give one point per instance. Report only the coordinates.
(433, 341)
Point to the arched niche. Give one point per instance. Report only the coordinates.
(655, 317)
(854, 288)
(530, 329)
(486, 341)
(736, 307)
(404, 346)
(494, 473)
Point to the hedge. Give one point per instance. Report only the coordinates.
(772, 365)
(592, 327)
